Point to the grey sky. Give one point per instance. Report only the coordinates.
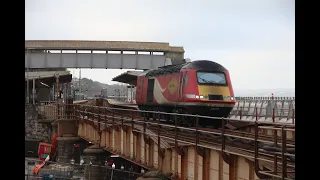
(254, 39)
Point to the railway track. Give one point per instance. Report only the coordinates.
(209, 132)
(233, 138)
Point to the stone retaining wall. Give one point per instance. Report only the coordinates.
(33, 129)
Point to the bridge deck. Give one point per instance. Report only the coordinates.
(137, 140)
(41, 54)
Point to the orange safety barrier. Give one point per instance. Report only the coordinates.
(38, 167)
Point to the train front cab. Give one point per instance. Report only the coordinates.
(207, 93)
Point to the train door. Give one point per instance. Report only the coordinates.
(150, 90)
(181, 82)
(139, 90)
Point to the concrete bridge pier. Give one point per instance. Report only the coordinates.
(94, 157)
(68, 140)
(68, 148)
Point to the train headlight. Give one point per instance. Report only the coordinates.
(190, 96)
(232, 98)
(227, 98)
(195, 96)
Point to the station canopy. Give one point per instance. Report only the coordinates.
(129, 77)
(48, 77)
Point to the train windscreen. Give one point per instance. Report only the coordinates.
(217, 78)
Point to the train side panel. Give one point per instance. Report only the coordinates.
(166, 90)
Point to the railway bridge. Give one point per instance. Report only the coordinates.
(262, 148)
(257, 141)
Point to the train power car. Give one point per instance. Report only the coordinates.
(199, 87)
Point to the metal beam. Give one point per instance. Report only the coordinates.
(39, 54)
(93, 60)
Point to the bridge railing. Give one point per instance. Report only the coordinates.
(51, 110)
(264, 98)
(275, 151)
(277, 109)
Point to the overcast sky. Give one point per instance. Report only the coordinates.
(253, 39)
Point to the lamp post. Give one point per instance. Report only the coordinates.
(90, 166)
(113, 166)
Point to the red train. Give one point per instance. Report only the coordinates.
(199, 87)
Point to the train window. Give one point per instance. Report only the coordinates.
(211, 78)
(186, 80)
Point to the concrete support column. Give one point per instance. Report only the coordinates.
(142, 150)
(215, 160)
(65, 148)
(118, 140)
(96, 156)
(132, 145)
(167, 161)
(122, 141)
(91, 133)
(206, 165)
(103, 142)
(155, 154)
(109, 139)
(127, 143)
(115, 141)
(199, 166)
(85, 132)
(225, 169)
(138, 147)
(184, 166)
(151, 152)
(174, 161)
(179, 165)
(146, 152)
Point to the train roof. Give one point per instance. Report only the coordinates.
(204, 65)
